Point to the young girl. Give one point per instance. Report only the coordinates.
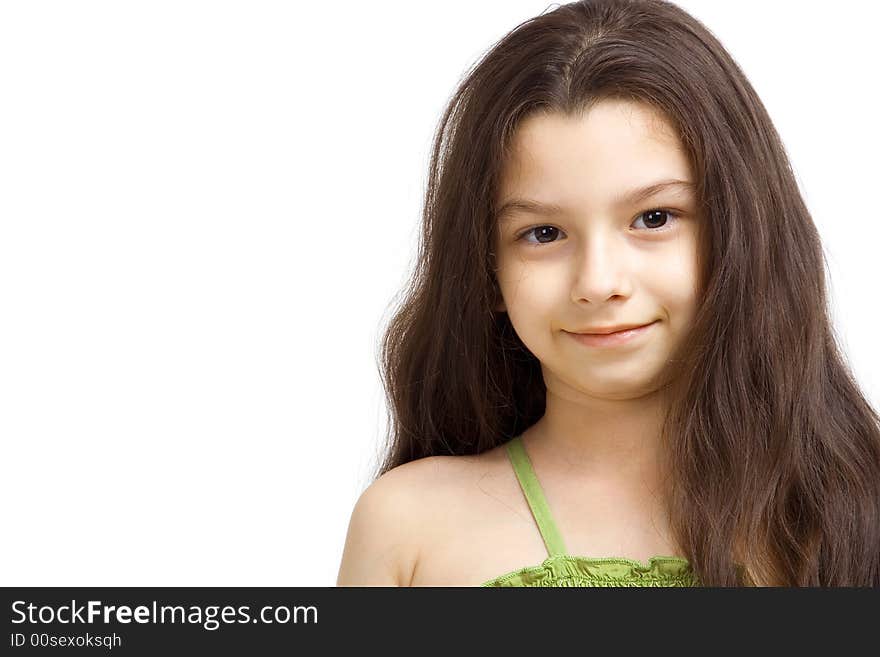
(616, 364)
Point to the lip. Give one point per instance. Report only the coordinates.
(612, 339)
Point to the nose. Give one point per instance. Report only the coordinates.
(601, 269)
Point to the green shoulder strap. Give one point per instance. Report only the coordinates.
(522, 466)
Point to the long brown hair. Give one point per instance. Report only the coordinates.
(772, 446)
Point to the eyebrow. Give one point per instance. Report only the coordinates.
(631, 197)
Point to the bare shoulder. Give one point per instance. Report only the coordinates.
(395, 515)
(436, 481)
(378, 547)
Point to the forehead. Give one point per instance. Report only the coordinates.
(591, 158)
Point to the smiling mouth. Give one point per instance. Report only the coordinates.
(631, 328)
(616, 338)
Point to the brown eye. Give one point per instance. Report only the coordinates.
(658, 219)
(545, 234)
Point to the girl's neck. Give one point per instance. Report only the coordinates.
(599, 439)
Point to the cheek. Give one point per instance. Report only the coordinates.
(531, 296)
(527, 284)
(676, 284)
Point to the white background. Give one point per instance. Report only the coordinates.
(206, 211)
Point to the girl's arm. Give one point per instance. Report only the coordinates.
(379, 548)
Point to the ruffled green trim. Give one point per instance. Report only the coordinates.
(565, 570)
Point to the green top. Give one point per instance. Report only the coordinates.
(561, 569)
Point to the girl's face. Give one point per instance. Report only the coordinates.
(576, 249)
